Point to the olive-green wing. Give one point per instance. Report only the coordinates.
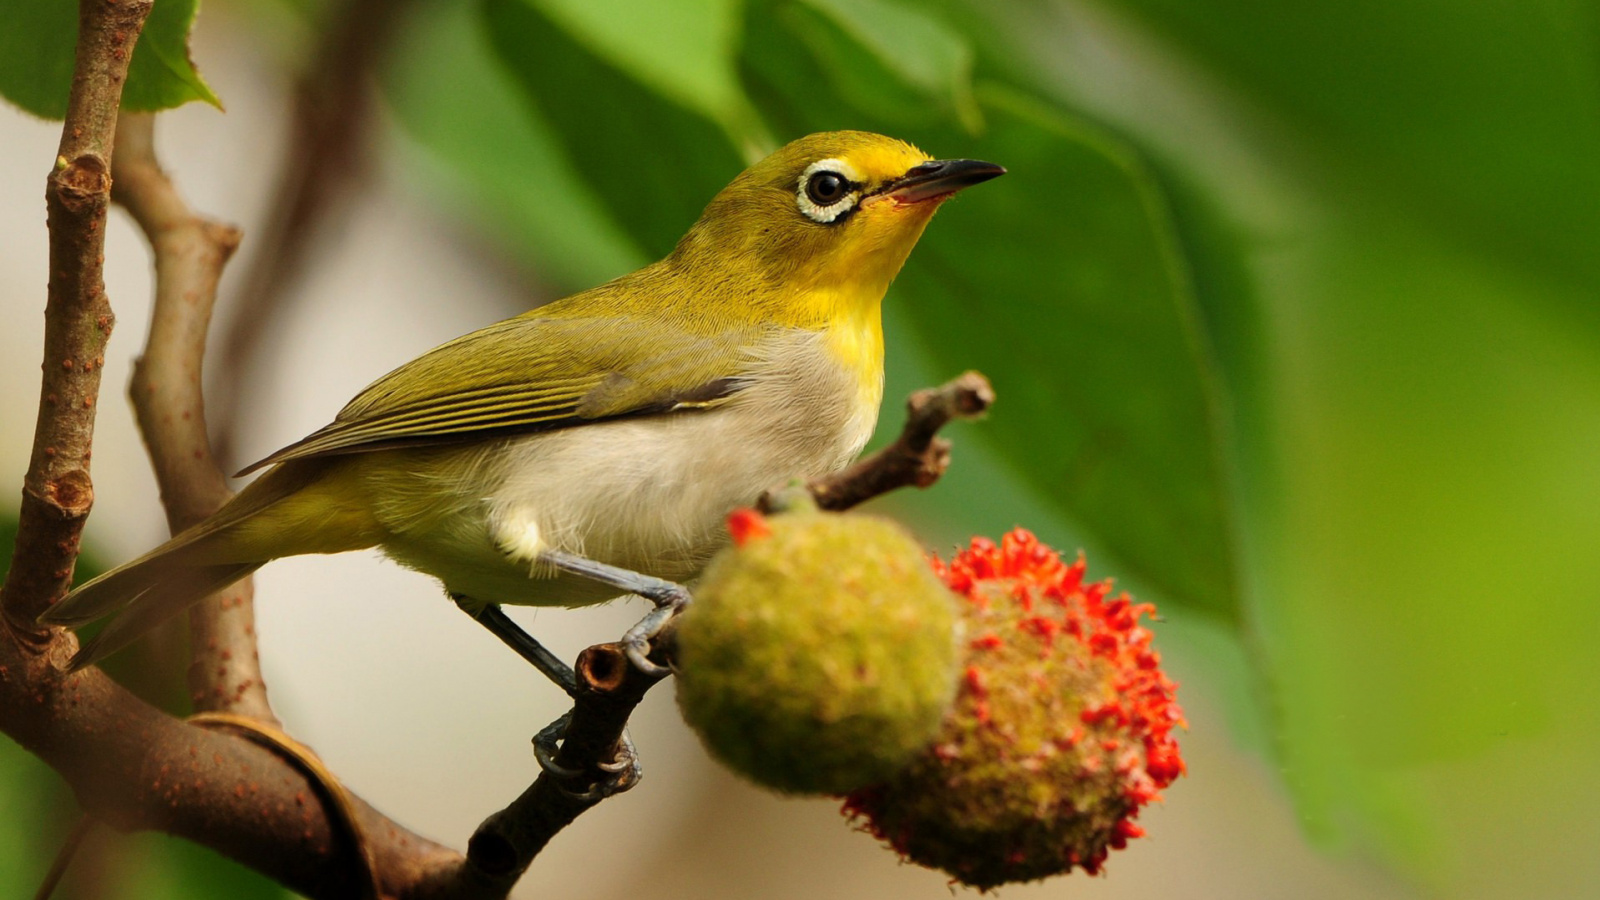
(531, 373)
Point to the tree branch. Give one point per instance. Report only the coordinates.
(919, 457)
(130, 764)
(57, 491)
(189, 252)
(609, 687)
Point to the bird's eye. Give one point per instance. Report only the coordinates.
(827, 188)
(828, 191)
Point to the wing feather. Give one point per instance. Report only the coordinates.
(534, 372)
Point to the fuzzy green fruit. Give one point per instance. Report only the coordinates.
(820, 653)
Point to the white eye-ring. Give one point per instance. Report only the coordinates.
(828, 189)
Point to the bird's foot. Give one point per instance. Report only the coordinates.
(637, 641)
(621, 773)
(669, 598)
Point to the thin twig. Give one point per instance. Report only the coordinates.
(64, 856)
(918, 458)
(190, 252)
(57, 491)
(609, 687)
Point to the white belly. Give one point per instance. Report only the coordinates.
(648, 494)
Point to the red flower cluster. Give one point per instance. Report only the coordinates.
(1061, 731)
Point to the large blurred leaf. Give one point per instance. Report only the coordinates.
(36, 53)
(889, 59)
(1412, 190)
(489, 152)
(1484, 116)
(683, 50)
(1065, 285)
(653, 161)
(1062, 282)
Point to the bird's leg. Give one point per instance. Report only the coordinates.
(621, 773)
(668, 596)
(494, 618)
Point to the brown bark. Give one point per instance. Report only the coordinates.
(57, 492)
(189, 252)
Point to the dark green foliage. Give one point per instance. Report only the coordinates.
(36, 55)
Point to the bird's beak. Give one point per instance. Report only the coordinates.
(939, 178)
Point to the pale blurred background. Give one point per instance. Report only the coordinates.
(429, 718)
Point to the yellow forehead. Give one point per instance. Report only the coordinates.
(883, 159)
(874, 157)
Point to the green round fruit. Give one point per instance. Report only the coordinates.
(820, 653)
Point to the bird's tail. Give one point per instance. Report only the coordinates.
(290, 510)
(142, 594)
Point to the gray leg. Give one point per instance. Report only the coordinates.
(668, 596)
(621, 774)
(494, 618)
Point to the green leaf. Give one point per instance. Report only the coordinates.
(36, 52)
(653, 162)
(39, 39)
(1482, 115)
(683, 50)
(884, 54)
(161, 74)
(39, 812)
(482, 150)
(1064, 283)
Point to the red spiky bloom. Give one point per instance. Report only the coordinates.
(1061, 732)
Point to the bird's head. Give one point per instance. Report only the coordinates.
(821, 227)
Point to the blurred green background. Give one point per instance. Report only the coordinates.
(1293, 312)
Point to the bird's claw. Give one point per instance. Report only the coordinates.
(638, 653)
(622, 772)
(545, 745)
(636, 643)
(669, 598)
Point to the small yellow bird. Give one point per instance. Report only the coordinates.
(545, 459)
